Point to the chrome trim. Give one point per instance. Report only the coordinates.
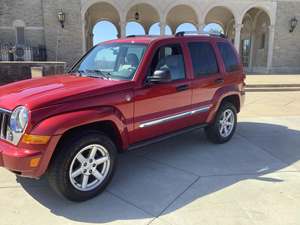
(174, 117)
(5, 111)
(4, 120)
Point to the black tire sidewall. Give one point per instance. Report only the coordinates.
(62, 163)
(213, 131)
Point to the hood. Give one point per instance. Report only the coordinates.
(46, 91)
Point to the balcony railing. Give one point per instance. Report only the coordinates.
(22, 53)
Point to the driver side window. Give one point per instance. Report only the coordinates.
(169, 57)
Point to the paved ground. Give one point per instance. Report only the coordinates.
(254, 179)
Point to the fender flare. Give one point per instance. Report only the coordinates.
(57, 125)
(219, 96)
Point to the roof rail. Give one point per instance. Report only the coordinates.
(142, 35)
(214, 34)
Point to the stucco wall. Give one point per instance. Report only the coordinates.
(286, 55)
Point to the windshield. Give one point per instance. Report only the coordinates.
(111, 61)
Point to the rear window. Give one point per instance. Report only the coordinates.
(203, 59)
(229, 57)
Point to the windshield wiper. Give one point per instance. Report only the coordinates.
(98, 72)
(79, 72)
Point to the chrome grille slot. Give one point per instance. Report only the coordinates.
(4, 121)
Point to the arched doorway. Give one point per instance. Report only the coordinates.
(103, 31)
(101, 11)
(155, 29)
(214, 28)
(181, 14)
(144, 14)
(134, 28)
(186, 27)
(224, 18)
(254, 39)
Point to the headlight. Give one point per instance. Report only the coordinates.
(19, 119)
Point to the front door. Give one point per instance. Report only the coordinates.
(162, 108)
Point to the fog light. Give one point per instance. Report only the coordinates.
(35, 139)
(34, 162)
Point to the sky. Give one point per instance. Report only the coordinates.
(105, 30)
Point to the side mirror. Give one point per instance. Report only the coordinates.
(160, 76)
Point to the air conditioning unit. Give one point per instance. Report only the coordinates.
(19, 51)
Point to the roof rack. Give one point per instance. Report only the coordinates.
(209, 34)
(143, 35)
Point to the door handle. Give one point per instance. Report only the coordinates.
(182, 87)
(219, 81)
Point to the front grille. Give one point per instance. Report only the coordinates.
(4, 122)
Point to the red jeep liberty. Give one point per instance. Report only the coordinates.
(121, 95)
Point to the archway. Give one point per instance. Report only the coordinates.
(255, 39)
(214, 28)
(144, 14)
(103, 31)
(181, 14)
(134, 28)
(155, 29)
(186, 27)
(101, 11)
(224, 18)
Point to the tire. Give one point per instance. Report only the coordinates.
(75, 154)
(214, 132)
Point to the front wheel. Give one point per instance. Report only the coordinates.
(83, 166)
(224, 125)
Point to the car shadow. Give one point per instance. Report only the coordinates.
(148, 180)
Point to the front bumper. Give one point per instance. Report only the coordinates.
(18, 159)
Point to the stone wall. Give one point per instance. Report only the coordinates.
(15, 71)
(286, 55)
(63, 44)
(30, 13)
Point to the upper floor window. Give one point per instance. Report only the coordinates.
(20, 35)
(19, 26)
(229, 57)
(203, 59)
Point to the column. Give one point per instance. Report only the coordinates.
(122, 29)
(162, 26)
(237, 38)
(252, 42)
(270, 46)
(84, 47)
(200, 27)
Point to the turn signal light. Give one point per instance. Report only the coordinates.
(35, 139)
(34, 162)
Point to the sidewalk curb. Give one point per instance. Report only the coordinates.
(272, 89)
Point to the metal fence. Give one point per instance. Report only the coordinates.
(22, 53)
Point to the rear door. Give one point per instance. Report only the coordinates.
(207, 75)
(161, 108)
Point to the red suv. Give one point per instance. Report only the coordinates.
(121, 95)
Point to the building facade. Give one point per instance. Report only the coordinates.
(265, 32)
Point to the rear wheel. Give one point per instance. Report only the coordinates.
(224, 125)
(83, 166)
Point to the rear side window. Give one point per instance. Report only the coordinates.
(203, 59)
(228, 56)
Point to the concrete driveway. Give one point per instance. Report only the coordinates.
(254, 179)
